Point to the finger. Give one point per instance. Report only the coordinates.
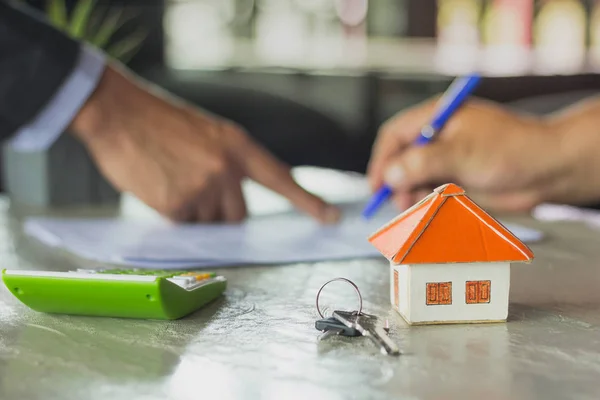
(181, 215)
(512, 202)
(259, 165)
(233, 205)
(405, 200)
(421, 167)
(394, 136)
(207, 205)
(180, 212)
(403, 129)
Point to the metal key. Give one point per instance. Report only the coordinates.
(368, 326)
(331, 326)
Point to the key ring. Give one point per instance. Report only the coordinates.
(360, 300)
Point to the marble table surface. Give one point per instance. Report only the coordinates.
(259, 342)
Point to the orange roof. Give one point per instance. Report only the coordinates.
(448, 227)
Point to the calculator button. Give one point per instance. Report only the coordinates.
(198, 276)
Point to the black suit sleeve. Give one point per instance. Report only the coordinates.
(35, 59)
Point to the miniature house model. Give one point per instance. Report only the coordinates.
(449, 260)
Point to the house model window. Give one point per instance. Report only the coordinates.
(478, 292)
(439, 293)
(445, 249)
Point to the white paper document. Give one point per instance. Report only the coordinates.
(273, 239)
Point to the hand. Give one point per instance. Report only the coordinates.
(186, 164)
(505, 161)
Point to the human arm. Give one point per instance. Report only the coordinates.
(506, 160)
(185, 163)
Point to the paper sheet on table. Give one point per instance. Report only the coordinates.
(274, 239)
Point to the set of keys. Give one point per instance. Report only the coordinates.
(356, 323)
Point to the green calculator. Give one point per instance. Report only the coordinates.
(145, 294)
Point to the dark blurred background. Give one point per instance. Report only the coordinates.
(313, 79)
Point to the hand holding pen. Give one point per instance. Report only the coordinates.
(446, 107)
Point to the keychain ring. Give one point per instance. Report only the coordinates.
(360, 300)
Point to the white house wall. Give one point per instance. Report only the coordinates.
(458, 274)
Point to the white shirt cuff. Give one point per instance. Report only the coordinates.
(49, 124)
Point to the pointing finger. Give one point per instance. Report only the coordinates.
(233, 203)
(258, 164)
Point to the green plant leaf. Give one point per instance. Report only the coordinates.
(125, 49)
(82, 26)
(80, 18)
(107, 29)
(57, 13)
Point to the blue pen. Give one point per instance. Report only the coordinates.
(456, 94)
